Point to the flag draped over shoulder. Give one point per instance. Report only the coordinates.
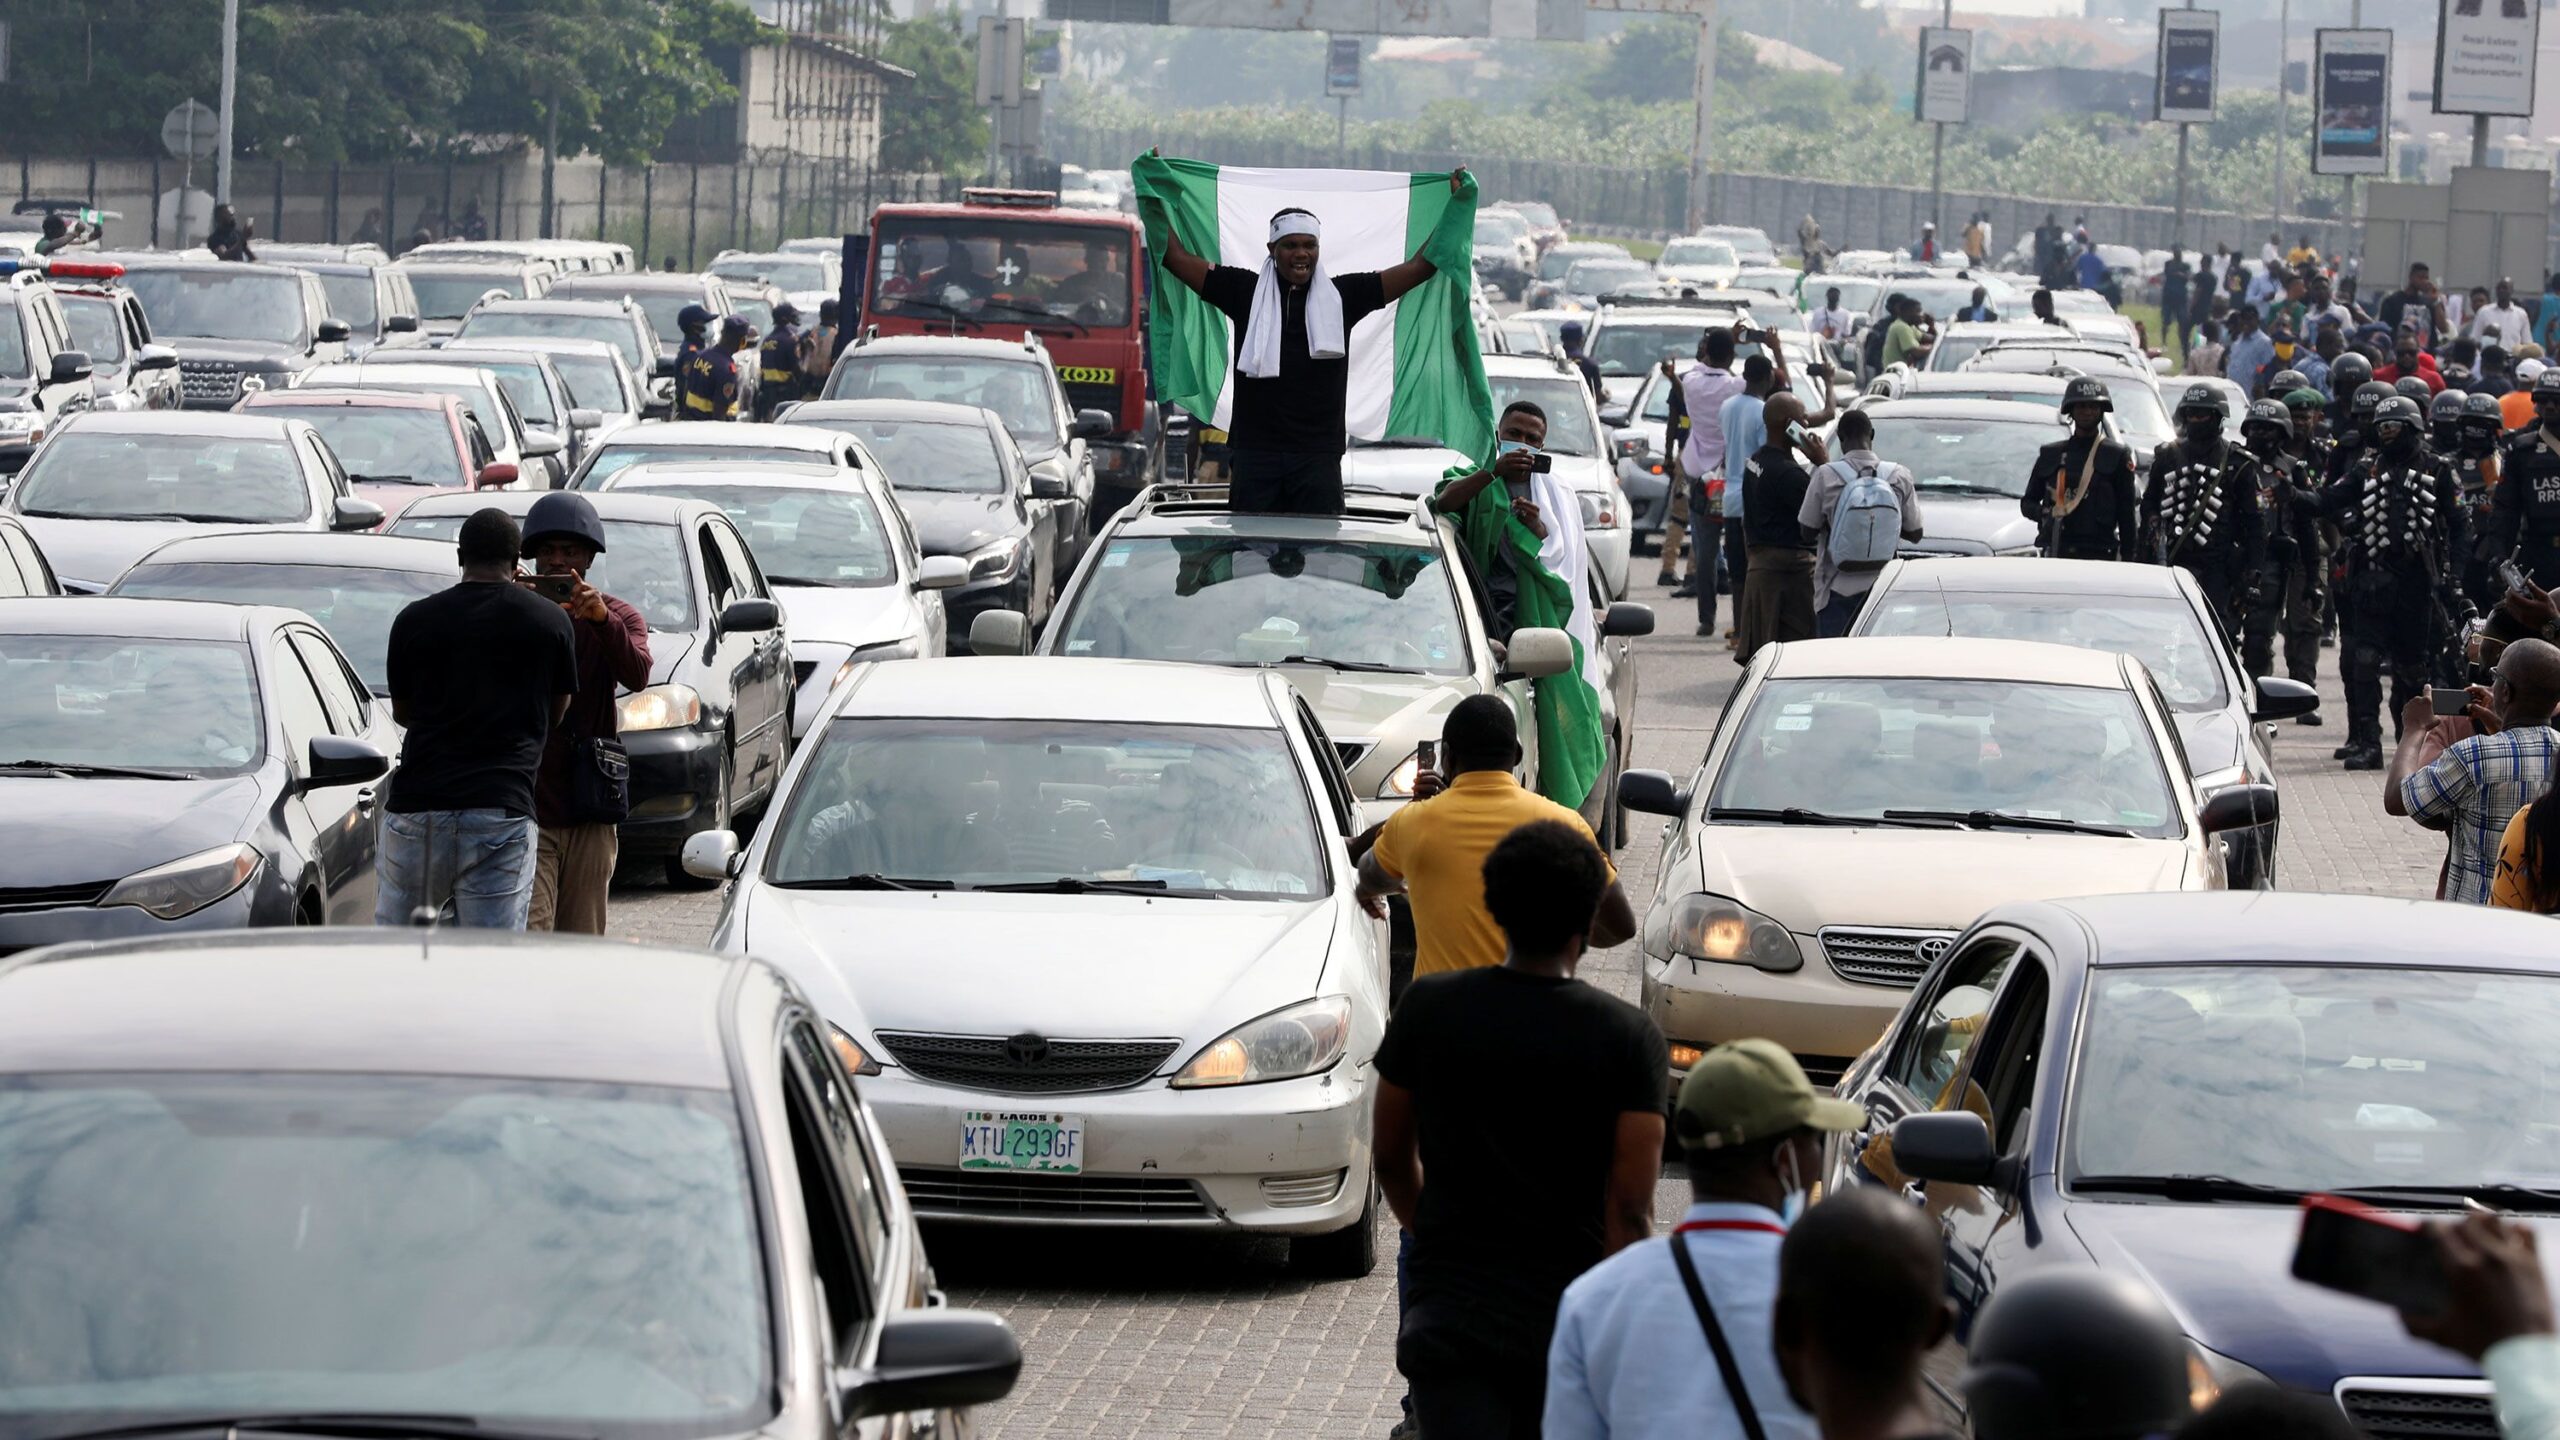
(1571, 748)
(1415, 369)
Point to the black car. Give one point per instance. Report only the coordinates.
(709, 735)
(968, 492)
(354, 585)
(235, 326)
(2166, 1077)
(364, 288)
(194, 767)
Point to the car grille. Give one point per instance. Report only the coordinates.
(1053, 1197)
(988, 1062)
(1353, 751)
(1086, 395)
(208, 380)
(52, 897)
(1881, 956)
(2420, 1409)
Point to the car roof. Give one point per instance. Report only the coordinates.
(1938, 657)
(954, 345)
(610, 505)
(350, 398)
(1919, 383)
(553, 303)
(421, 1002)
(393, 370)
(2023, 575)
(1045, 687)
(468, 353)
(308, 547)
(631, 283)
(1948, 407)
(924, 412)
(1369, 516)
(212, 424)
(1530, 367)
(123, 615)
(2301, 927)
(133, 260)
(549, 345)
(632, 478)
(709, 434)
(458, 265)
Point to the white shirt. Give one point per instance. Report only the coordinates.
(1830, 324)
(2508, 325)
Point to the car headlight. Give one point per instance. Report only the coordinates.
(1711, 927)
(183, 887)
(1599, 509)
(1304, 1039)
(1399, 782)
(996, 562)
(660, 707)
(857, 1061)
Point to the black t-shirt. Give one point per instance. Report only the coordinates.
(1299, 410)
(1515, 1157)
(1772, 494)
(474, 670)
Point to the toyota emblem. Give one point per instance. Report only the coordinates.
(1933, 949)
(1028, 1049)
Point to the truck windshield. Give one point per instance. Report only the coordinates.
(1006, 271)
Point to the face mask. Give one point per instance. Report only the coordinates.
(1792, 1188)
(2284, 349)
(2204, 430)
(2402, 445)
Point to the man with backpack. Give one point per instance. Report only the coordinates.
(1859, 511)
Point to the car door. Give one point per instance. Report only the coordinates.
(342, 816)
(1983, 1224)
(1926, 1049)
(844, 1255)
(757, 663)
(314, 853)
(1046, 520)
(932, 637)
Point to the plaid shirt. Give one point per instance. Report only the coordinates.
(2476, 786)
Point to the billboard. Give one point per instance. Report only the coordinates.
(2190, 63)
(1945, 88)
(1342, 65)
(2351, 102)
(2484, 56)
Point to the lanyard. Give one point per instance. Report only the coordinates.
(1762, 1226)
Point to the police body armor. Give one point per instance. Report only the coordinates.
(2531, 470)
(2199, 523)
(2394, 523)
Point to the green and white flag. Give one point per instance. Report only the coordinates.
(1415, 369)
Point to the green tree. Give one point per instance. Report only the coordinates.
(611, 75)
(935, 122)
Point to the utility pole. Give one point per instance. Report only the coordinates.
(2347, 212)
(2479, 141)
(1938, 152)
(1705, 92)
(230, 92)
(2178, 229)
(550, 152)
(2284, 107)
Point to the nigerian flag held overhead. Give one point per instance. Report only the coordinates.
(1415, 369)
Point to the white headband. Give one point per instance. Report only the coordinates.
(1294, 222)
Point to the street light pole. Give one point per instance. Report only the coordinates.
(230, 91)
(1705, 94)
(2284, 108)
(1938, 148)
(2179, 228)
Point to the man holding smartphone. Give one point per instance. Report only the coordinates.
(1777, 601)
(580, 837)
(2471, 787)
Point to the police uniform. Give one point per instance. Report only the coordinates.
(2401, 520)
(2076, 519)
(2287, 501)
(778, 366)
(2306, 592)
(2480, 436)
(2526, 503)
(707, 386)
(2200, 511)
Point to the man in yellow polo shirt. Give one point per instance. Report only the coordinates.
(1433, 850)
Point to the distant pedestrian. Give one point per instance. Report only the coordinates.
(2176, 330)
(2204, 359)
(2084, 491)
(1977, 238)
(2474, 785)
(475, 226)
(2040, 308)
(1513, 1179)
(1809, 246)
(2091, 272)
(1862, 1301)
(1670, 1338)
(1831, 322)
(1925, 249)
(1778, 586)
(778, 360)
(1569, 339)
(1743, 420)
(2250, 357)
(230, 237)
(2501, 321)
(581, 793)
(1908, 336)
(1852, 533)
(2418, 305)
(1704, 388)
(1978, 310)
(369, 229)
(818, 356)
(478, 675)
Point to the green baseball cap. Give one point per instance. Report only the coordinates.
(1752, 1090)
(2306, 396)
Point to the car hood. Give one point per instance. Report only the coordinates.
(90, 554)
(1403, 470)
(1990, 522)
(102, 830)
(2225, 1271)
(844, 614)
(236, 352)
(1104, 965)
(667, 652)
(2214, 739)
(955, 522)
(1391, 711)
(1809, 876)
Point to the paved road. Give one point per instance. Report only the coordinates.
(1200, 1336)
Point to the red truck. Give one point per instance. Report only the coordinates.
(1004, 261)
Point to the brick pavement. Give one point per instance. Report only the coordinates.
(1205, 1335)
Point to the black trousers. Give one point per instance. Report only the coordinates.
(1267, 482)
(2387, 624)
(2261, 620)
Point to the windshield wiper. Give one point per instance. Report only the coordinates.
(920, 302)
(1072, 885)
(2513, 1197)
(1330, 663)
(1799, 815)
(363, 479)
(2192, 1188)
(107, 772)
(2010, 820)
(867, 880)
(365, 1424)
(1036, 315)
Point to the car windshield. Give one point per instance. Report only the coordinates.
(1237, 600)
(177, 705)
(354, 603)
(2317, 1077)
(591, 382)
(756, 311)
(350, 299)
(97, 331)
(1499, 229)
(1943, 298)
(1751, 245)
(1596, 277)
(662, 309)
(1553, 264)
(1003, 270)
(522, 380)
(614, 330)
(611, 457)
(789, 274)
(1698, 252)
(2081, 302)
(1567, 402)
(799, 534)
(643, 565)
(926, 454)
(1856, 295)
(2161, 631)
(446, 294)
(1860, 747)
(278, 1242)
(1195, 809)
(225, 304)
(1956, 347)
(385, 445)
(1017, 391)
(463, 387)
(1630, 348)
(1964, 456)
(95, 475)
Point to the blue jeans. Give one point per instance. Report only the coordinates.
(1706, 532)
(474, 865)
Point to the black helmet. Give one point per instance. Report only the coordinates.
(562, 512)
(2447, 406)
(2349, 371)
(2201, 397)
(2413, 387)
(693, 317)
(2368, 396)
(2285, 381)
(2086, 390)
(2546, 383)
(2076, 1354)
(2478, 408)
(2398, 410)
(2270, 414)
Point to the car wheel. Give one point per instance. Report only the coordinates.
(722, 818)
(1347, 1254)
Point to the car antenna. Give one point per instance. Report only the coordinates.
(1943, 607)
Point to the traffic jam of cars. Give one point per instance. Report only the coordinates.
(1034, 775)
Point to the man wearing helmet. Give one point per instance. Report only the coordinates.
(2306, 595)
(2200, 509)
(2288, 504)
(575, 801)
(2348, 373)
(2472, 450)
(2527, 498)
(2397, 508)
(2081, 493)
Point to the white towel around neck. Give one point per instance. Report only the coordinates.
(1261, 356)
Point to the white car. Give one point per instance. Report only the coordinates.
(682, 440)
(540, 456)
(840, 556)
(1695, 260)
(1577, 451)
(1864, 800)
(1086, 930)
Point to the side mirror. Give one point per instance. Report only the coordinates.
(1626, 617)
(69, 367)
(2282, 699)
(1091, 425)
(1614, 416)
(495, 475)
(1652, 792)
(1949, 1145)
(711, 855)
(1538, 651)
(541, 444)
(2238, 808)
(933, 1360)
(399, 324)
(1000, 632)
(1050, 487)
(750, 615)
(155, 357)
(349, 513)
(332, 332)
(942, 572)
(585, 419)
(337, 760)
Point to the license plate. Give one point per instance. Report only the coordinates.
(1003, 1140)
(1087, 375)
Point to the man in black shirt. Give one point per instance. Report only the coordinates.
(1777, 582)
(1513, 1179)
(2084, 503)
(478, 674)
(1285, 429)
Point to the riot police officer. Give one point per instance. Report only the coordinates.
(2081, 493)
(2397, 509)
(2355, 433)
(2306, 596)
(2348, 373)
(778, 362)
(2200, 509)
(2527, 504)
(2477, 431)
(2444, 421)
(2288, 506)
(707, 388)
(2415, 390)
